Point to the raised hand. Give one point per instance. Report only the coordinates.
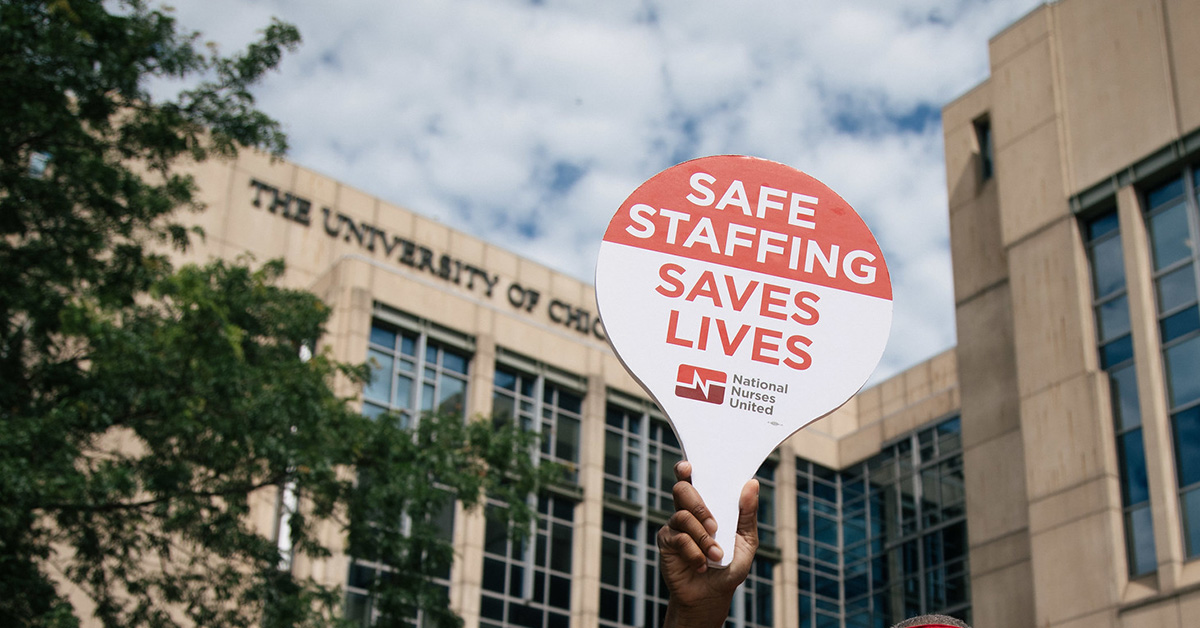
(700, 594)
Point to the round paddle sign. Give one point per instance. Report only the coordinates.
(749, 300)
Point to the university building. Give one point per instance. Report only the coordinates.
(1045, 472)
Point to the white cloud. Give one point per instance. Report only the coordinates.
(527, 123)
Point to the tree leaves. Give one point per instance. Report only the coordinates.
(148, 414)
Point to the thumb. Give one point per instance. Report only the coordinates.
(747, 525)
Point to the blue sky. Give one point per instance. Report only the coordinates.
(528, 123)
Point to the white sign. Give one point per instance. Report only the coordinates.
(749, 300)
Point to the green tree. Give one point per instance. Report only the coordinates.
(142, 408)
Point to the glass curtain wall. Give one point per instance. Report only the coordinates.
(1171, 221)
(411, 372)
(1110, 303)
(885, 539)
(528, 583)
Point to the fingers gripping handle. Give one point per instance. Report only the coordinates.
(721, 492)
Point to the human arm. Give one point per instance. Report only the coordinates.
(701, 595)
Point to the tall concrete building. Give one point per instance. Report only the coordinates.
(1072, 177)
(1046, 472)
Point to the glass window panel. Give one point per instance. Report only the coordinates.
(827, 587)
(560, 592)
(826, 555)
(1169, 235)
(1123, 387)
(523, 615)
(1134, 488)
(1183, 371)
(610, 562)
(567, 439)
(570, 401)
(1187, 446)
(361, 576)
(764, 606)
(950, 436)
(1116, 351)
(385, 338)
(1108, 270)
(954, 540)
(427, 396)
(454, 362)
(609, 605)
(560, 553)
(1140, 538)
(504, 379)
(1191, 521)
(1101, 225)
(404, 387)
(613, 446)
(492, 608)
(503, 408)
(495, 535)
(1179, 324)
(633, 468)
(379, 388)
(516, 580)
(1176, 288)
(453, 395)
(408, 344)
(1112, 318)
(615, 417)
(1166, 192)
(493, 575)
(825, 530)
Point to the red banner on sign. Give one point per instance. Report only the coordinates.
(754, 215)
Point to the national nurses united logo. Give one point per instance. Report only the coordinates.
(701, 384)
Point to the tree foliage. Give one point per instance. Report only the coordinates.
(144, 409)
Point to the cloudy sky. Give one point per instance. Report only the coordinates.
(527, 123)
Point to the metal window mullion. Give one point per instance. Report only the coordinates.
(419, 377)
(1108, 298)
(538, 403)
(643, 450)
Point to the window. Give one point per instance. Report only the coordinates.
(987, 157)
(766, 504)
(527, 582)
(640, 452)
(542, 400)
(818, 545)
(1171, 220)
(632, 593)
(884, 539)
(414, 367)
(364, 574)
(412, 372)
(1111, 306)
(753, 604)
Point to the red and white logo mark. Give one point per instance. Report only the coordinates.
(700, 384)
